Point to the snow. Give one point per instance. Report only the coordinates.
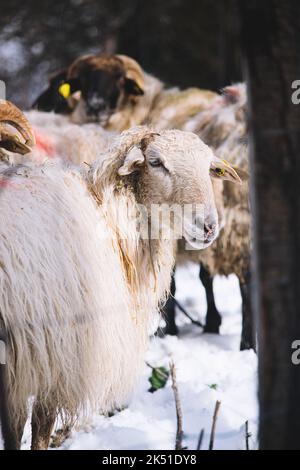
(209, 368)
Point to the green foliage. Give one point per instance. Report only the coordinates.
(158, 379)
(213, 386)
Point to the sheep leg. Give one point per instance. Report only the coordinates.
(169, 311)
(42, 423)
(12, 428)
(213, 318)
(12, 433)
(247, 339)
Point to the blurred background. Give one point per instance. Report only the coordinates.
(183, 42)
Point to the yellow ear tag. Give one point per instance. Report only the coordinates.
(65, 90)
(140, 85)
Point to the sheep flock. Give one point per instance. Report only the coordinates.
(85, 177)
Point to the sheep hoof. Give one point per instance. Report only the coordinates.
(213, 322)
(215, 329)
(170, 330)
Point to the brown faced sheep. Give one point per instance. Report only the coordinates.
(80, 281)
(16, 136)
(117, 93)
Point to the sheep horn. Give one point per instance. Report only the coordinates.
(121, 146)
(139, 135)
(10, 114)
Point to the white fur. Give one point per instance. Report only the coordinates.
(77, 305)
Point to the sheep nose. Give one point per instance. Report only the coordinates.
(95, 104)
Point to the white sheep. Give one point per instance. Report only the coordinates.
(78, 283)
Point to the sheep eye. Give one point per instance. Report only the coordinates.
(155, 162)
(220, 171)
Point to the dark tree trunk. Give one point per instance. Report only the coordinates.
(248, 340)
(270, 33)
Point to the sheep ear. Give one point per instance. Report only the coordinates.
(223, 170)
(133, 160)
(132, 87)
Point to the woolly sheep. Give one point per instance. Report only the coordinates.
(78, 284)
(221, 124)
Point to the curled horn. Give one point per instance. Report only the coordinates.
(138, 135)
(10, 114)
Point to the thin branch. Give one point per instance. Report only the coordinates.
(213, 427)
(247, 434)
(200, 439)
(182, 309)
(149, 365)
(179, 432)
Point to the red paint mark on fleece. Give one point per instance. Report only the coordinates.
(44, 143)
(6, 183)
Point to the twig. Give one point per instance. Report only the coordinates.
(247, 434)
(213, 427)
(179, 432)
(182, 309)
(149, 365)
(200, 440)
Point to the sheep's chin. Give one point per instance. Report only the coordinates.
(194, 244)
(195, 238)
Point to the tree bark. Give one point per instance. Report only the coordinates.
(270, 32)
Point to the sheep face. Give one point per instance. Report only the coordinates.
(105, 83)
(174, 168)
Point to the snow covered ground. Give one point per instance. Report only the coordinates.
(209, 368)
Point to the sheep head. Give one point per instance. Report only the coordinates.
(60, 96)
(12, 120)
(105, 83)
(169, 169)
